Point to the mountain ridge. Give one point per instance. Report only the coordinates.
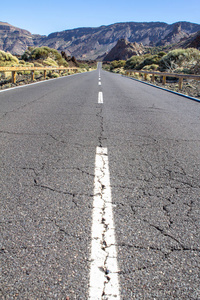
(94, 42)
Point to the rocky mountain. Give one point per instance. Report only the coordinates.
(193, 41)
(13, 39)
(124, 50)
(91, 43)
(175, 36)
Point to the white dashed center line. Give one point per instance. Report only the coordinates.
(100, 97)
(104, 282)
(99, 82)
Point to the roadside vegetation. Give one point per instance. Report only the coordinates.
(44, 55)
(7, 59)
(175, 61)
(185, 61)
(38, 57)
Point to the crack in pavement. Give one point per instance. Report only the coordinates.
(22, 133)
(163, 232)
(106, 244)
(83, 172)
(56, 139)
(57, 168)
(26, 104)
(61, 230)
(60, 192)
(101, 137)
(156, 249)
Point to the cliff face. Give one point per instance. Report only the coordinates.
(175, 36)
(13, 39)
(90, 43)
(124, 50)
(193, 41)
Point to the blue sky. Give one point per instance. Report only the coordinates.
(46, 16)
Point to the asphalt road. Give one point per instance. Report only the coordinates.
(48, 138)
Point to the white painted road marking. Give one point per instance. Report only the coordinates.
(100, 97)
(99, 82)
(104, 282)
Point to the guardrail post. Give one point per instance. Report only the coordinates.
(180, 83)
(45, 74)
(14, 76)
(164, 80)
(60, 72)
(145, 76)
(153, 78)
(32, 75)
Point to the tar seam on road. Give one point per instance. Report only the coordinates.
(104, 270)
(100, 97)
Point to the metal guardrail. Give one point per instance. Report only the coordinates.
(164, 75)
(15, 70)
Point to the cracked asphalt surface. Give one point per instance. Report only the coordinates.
(49, 133)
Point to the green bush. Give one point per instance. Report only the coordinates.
(61, 61)
(7, 59)
(161, 54)
(26, 55)
(53, 75)
(82, 70)
(84, 66)
(117, 64)
(149, 59)
(40, 53)
(106, 67)
(152, 67)
(179, 58)
(157, 49)
(37, 64)
(22, 62)
(44, 53)
(133, 62)
(119, 71)
(50, 62)
(28, 64)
